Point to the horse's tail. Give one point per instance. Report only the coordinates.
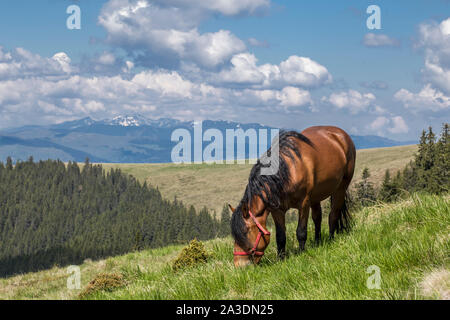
(345, 222)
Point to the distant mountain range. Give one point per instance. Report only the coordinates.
(123, 139)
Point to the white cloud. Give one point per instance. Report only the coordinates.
(378, 123)
(437, 75)
(434, 39)
(107, 58)
(104, 63)
(94, 106)
(156, 92)
(394, 125)
(379, 110)
(64, 61)
(445, 27)
(303, 71)
(167, 83)
(379, 40)
(294, 97)
(295, 71)
(211, 49)
(140, 108)
(351, 99)
(243, 70)
(427, 99)
(47, 107)
(286, 99)
(399, 125)
(4, 56)
(225, 7)
(21, 63)
(167, 31)
(233, 7)
(128, 66)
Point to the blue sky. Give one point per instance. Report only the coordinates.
(284, 63)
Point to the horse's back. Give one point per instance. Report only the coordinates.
(329, 161)
(333, 138)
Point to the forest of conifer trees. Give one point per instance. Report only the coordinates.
(429, 172)
(52, 213)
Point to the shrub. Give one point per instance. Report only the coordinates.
(194, 254)
(103, 282)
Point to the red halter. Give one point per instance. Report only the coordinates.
(253, 251)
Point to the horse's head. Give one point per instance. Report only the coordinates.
(250, 234)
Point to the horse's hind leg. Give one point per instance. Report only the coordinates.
(337, 207)
(280, 226)
(317, 218)
(302, 228)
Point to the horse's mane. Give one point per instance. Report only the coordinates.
(270, 188)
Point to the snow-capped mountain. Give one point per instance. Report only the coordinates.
(137, 120)
(128, 121)
(127, 138)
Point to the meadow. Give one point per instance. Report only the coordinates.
(408, 241)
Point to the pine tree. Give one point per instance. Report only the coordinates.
(440, 173)
(409, 177)
(390, 188)
(432, 162)
(9, 163)
(385, 193)
(225, 220)
(137, 246)
(365, 191)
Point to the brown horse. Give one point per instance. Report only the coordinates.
(313, 165)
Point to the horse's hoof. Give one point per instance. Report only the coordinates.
(282, 257)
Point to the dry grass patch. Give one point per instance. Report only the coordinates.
(374, 213)
(436, 284)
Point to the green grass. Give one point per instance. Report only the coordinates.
(213, 185)
(408, 241)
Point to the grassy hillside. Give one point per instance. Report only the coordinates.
(408, 241)
(214, 185)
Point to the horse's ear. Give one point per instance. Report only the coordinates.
(231, 208)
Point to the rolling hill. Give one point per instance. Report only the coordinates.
(213, 185)
(408, 241)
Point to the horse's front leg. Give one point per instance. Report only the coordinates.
(302, 228)
(280, 226)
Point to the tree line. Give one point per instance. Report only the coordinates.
(429, 172)
(52, 213)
